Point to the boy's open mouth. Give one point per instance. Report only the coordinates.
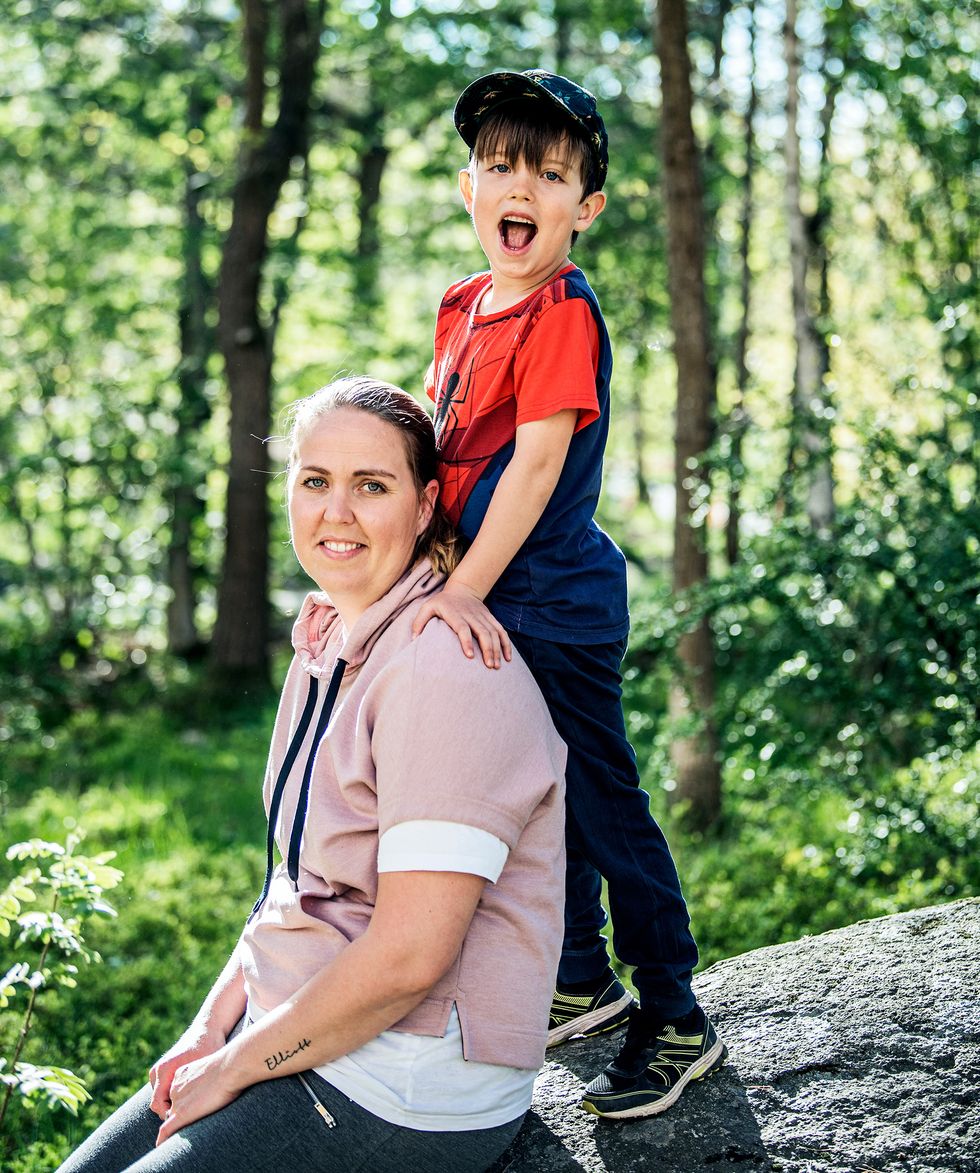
(516, 233)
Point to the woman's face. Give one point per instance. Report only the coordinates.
(354, 510)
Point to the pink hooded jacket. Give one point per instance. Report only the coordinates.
(417, 731)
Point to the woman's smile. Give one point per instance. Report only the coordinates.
(334, 547)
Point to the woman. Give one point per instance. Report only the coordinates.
(394, 977)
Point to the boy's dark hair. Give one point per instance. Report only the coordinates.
(525, 130)
(543, 93)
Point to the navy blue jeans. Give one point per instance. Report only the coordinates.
(610, 833)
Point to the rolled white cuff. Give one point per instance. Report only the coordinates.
(434, 845)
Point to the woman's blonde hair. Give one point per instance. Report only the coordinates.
(439, 541)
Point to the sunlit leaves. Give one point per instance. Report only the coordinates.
(56, 1086)
(44, 912)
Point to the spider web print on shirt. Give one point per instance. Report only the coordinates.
(462, 462)
(478, 392)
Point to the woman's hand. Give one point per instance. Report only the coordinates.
(466, 613)
(197, 1042)
(198, 1088)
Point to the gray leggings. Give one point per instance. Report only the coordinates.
(274, 1126)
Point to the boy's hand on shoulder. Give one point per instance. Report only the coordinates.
(466, 613)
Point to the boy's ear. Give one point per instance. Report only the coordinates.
(589, 210)
(466, 187)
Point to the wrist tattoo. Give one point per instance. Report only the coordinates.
(274, 1061)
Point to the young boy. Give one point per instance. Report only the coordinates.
(520, 381)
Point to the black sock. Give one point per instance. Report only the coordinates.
(689, 1023)
(647, 1024)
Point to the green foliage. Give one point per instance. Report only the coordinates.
(176, 791)
(99, 148)
(839, 657)
(55, 1086)
(781, 871)
(44, 911)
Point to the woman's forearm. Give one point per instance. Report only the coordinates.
(416, 931)
(414, 937)
(225, 1002)
(356, 997)
(337, 1011)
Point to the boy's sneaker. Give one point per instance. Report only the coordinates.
(654, 1066)
(583, 1015)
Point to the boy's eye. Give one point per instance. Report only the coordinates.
(553, 176)
(500, 168)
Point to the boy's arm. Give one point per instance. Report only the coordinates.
(523, 491)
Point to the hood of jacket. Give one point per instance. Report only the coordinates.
(320, 638)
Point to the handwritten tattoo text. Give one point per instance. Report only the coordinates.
(275, 1061)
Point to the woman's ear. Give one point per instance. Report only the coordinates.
(427, 505)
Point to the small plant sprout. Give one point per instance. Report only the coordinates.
(44, 912)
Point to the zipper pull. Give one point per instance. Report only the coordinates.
(328, 1119)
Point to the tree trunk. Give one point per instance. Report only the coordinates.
(738, 418)
(695, 754)
(370, 172)
(564, 16)
(714, 172)
(183, 637)
(239, 648)
(817, 237)
(809, 427)
(640, 478)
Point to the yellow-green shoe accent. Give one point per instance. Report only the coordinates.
(581, 1016)
(648, 1075)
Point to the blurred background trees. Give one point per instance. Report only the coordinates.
(210, 206)
(210, 210)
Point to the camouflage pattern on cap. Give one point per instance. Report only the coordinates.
(576, 103)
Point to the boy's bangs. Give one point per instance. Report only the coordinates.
(516, 132)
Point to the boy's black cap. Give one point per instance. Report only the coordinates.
(576, 103)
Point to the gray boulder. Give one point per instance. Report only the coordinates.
(856, 1051)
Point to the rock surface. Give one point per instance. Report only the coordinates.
(856, 1051)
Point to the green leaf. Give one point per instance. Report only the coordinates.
(17, 975)
(35, 849)
(58, 1086)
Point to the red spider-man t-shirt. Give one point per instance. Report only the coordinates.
(494, 372)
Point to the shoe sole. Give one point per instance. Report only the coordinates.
(709, 1063)
(593, 1023)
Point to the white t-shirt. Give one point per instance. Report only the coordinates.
(403, 1078)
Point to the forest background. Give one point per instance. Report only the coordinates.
(210, 209)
